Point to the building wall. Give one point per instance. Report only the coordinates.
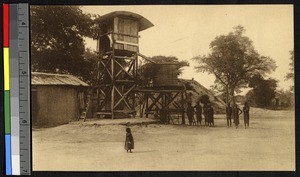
(54, 105)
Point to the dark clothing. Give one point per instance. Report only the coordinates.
(228, 111)
(211, 115)
(246, 110)
(228, 115)
(129, 142)
(190, 114)
(236, 112)
(198, 108)
(205, 113)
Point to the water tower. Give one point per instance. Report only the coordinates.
(116, 73)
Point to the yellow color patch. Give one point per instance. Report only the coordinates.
(6, 68)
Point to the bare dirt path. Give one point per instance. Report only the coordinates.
(268, 144)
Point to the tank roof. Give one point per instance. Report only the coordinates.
(143, 22)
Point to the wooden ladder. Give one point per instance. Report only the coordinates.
(83, 112)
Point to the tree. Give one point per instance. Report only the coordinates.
(88, 70)
(233, 60)
(290, 75)
(285, 98)
(57, 43)
(263, 92)
(204, 99)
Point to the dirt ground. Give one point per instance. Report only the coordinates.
(269, 144)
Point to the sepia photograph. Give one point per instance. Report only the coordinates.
(162, 88)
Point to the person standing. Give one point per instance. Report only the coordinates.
(210, 115)
(205, 113)
(129, 142)
(190, 113)
(246, 110)
(198, 111)
(228, 114)
(236, 112)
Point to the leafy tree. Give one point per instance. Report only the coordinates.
(57, 43)
(233, 60)
(263, 92)
(88, 71)
(285, 98)
(148, 70)
(290, 75)
(204, 99)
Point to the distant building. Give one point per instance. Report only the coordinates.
(56, 98)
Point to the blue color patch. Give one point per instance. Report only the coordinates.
(8, 154)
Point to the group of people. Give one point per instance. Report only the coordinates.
(234, 113)
(208, 111)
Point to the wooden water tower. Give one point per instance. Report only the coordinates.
(118, 47)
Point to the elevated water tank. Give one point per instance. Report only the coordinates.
(166, 75)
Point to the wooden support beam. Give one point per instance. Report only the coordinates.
(123, 70)
(146, 58)
(127, 43)
(131, 65)
(183, 112)
(147, 99)
(156, 100)
(105, 65)
(112, 90)
(172, 98)
(125, 57)
(158, 91)
(123, 98)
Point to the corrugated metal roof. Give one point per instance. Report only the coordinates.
(143, 22)
(38, 78)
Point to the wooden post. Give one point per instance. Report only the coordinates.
(183, 111)
(113, 85)
(163, 107)
(147, 104)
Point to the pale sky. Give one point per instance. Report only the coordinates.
(185, 31)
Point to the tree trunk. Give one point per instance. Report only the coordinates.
(232, 96)
(227, 95)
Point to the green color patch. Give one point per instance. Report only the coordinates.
(7, 112)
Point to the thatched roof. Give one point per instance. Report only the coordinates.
(38, 78)
(197, 90)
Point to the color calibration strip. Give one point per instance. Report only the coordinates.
(6, 67)
(24, 89)
(16, 89)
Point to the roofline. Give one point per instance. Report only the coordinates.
(79, 84)
(143, 22)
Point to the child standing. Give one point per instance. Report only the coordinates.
(129, 142)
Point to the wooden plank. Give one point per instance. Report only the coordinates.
(126, 42)
(103, 113)
(158, 91)
(125, 57)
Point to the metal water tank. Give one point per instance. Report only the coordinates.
(166, 75)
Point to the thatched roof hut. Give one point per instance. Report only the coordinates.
(56, 98)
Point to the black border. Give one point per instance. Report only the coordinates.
(168, 173)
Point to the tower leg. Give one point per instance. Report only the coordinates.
(182, 106)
